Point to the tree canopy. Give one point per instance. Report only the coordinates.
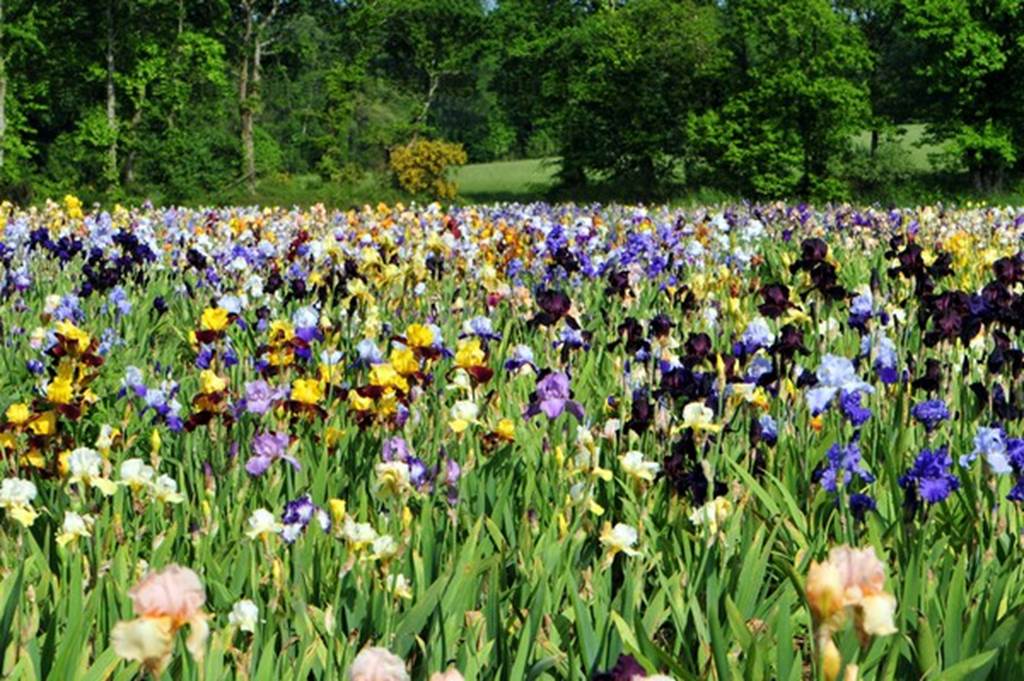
(178, 100)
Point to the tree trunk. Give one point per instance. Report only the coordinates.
(245, 108)
(435, 82)
(254, 98)
(111, 97)
(129, 161)
(874, 142)
(3, 108)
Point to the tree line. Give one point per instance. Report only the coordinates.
(180, 99)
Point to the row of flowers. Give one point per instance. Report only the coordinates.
(633, 354)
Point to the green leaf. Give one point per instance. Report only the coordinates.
(963, 669)
(7, 633)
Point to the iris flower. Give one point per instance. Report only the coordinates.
(552, 397)
(267, 448)
(164, 602)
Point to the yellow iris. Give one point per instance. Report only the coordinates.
(60, 391)
(44, 424)
(210, 383)
(404, 361)
(359, 403)
(506, 429)
(214, 319)
(307, 391)
(281, 331)
(73, 206)
(385, 376)
(18, 414)
(75, 335)
(469, 354)
(418, 336)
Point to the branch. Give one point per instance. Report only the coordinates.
(270, 15)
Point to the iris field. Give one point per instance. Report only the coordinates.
(511, 442)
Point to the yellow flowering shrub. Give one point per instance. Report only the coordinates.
(422, 166)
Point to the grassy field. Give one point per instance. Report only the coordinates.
(507, 180)
(911, 140)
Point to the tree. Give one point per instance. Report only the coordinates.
(971, 65)
(429, 44)
(19, 43)
(631, 83)
(257, 21)
(526, 35)
(800, 69)
(896, 95)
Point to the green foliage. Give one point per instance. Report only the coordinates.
(801, 96)
(641, 98)
(870, 170)
(971, 55)
(188, 162)
(667, 56)
(501, 588)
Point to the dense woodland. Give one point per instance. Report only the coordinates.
(177, 100)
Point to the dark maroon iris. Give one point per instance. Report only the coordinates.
(641, 412)
(618, 283)
(789, 342)
(661, 325)
(776, 300)
(626, 669)
(812, 251)
(553, 304)
(684, 474)
(698, 346)
(633, 332)
(1009, 270)
(931, 379)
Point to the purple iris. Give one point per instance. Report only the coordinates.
(860, 504)
(368, 353)
(395, 449)
(572, 339)
(521, 356)
(852, 408)
(1015, 452)
(260, 397)
(769, 429)
(552, 397)
(452, 473)
(481, 327)
(626, 669)
(841, 464)
(420, 476)
(267, 448)
(930, 476)
(860, 311)
(205, 357)
(885, 361)
(307, 321)
(757, 335)
(930, 413)
(298, 513)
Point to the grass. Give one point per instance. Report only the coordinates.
(910, 138)
(522, 180)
